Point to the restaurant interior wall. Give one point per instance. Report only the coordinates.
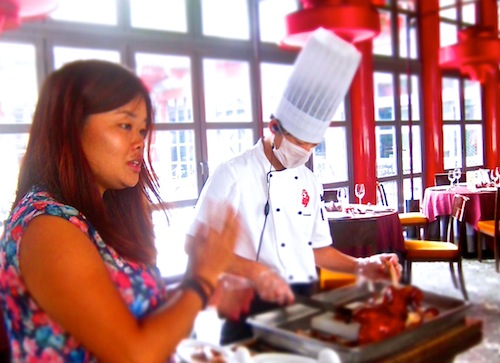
(215, 84)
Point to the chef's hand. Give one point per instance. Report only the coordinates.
(380, 266)
(232, 296)
(271, 287)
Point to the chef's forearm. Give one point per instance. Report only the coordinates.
(332, 259)
(247, 268)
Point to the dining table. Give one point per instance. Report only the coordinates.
(361, 230)
(437, 205)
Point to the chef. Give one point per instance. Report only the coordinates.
(286, 235)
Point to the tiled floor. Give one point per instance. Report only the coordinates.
(483, 285)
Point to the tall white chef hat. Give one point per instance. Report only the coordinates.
(321, 77)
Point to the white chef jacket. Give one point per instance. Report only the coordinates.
(296, 222)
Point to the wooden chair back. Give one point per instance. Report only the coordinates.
(455, 223)
(381, 194)
(496, 235)
(491, 228)
(330, 195)
(496, 215)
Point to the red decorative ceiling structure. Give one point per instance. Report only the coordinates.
(476, 55)
(14, 12)
(352, 20)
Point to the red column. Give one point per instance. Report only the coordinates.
(491, 129)
(428, 12)
(486, 15)
(363, 124)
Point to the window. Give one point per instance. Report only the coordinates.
(407, 25)
(237, 21)
(225, 144)
(274, 80)
(447, 34)
(382, 44)
(89, 11)
(63, 55)
(227, 90)
(331, 157)
(169, 79)
(18, 96)
(330, 161)
(448, 9)
(452, 144)
(159, 15)
(12, 148)
(18, 83)
(271, 29)
(451, 99)
(462, 129)
(384, 97)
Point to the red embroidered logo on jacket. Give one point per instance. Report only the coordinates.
(305, 198)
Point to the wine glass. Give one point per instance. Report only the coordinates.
(342, 196)
(451, 177)
(359, 191)
(495, 175)
(458, 173)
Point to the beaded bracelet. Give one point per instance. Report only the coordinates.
(196, 287)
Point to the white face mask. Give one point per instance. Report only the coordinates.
(291, 155)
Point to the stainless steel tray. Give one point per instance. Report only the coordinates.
(278, 327)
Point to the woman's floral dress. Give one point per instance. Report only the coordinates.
(34, 336)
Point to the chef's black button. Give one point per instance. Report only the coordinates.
(277, 209)
(311, 278)
(296, 177)
(282, 245)
(300, 213)
(309, 243)
(290, 277)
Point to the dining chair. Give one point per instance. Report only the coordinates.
(490, 228)
(416, 220)
(437, 251)
(330, 195)
(329, 280)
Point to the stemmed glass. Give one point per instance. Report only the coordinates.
(458, 173)
(495, 175)
(342, 196)
(451, 177)
(359, 191)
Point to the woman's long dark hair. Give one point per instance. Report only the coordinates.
(55, 159)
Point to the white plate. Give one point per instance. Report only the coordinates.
(338, 215)
(282, 358)
(440, 187)
(387, 210)
(188, 348)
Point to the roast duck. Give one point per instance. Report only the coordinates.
(399, 309)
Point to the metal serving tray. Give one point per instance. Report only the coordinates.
(278, 327)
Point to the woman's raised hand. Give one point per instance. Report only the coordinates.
(211, 249)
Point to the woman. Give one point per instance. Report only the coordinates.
(77, 265)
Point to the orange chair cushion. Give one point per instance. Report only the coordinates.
(412, 218)
(486, 227)
(334, 279)
(419, 249)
